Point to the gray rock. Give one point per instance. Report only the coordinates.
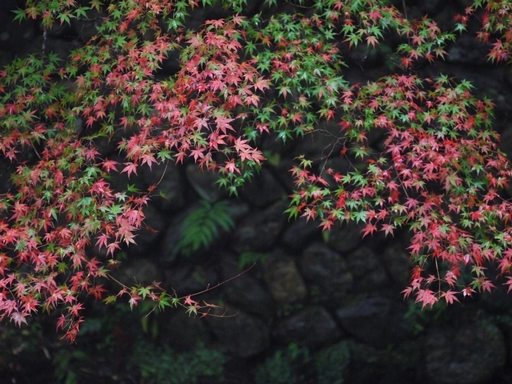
(170, 239)
(5, 57)
(263, 190)
(87, 28)
(260, 231)
(495, 304)
(238, 209)
(182, 331)
(242, 334)
(422, 8)
(154, 224)
(5, 174)
(339, 164)
(186, 279)
(283, 279)
(395, 364)
(246, 292)
(312, 327)
(252, 7)
(14, 36)
(327, 270)
(365, 56)
(299, 232)
(506, 141)
(467, 50)
(203, 183)
(396, 260)
(368, 272)
(138, 271)
(376, 321)
(6, 6)
(170, 191)
(171, 65)
(344, 238)
(61, 48)
(431, 6)
(508, 75)
(469, 353)
(320, 143)
(59, 31)
(283, 173)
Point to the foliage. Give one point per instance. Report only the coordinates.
(161, 365)
(419, 318)
(332, 363)
(95, 356)
(63, 363)
(297, 364)
(248, 258)
(439, 176)
(62, 221)
(283, 366)
(202, 226)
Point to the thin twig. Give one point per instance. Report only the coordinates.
(163, 174)
(404, 8)
(117, 281)
(211, 288)
(43, 46)
(438, 278)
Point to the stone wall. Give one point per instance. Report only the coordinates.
(315, 307)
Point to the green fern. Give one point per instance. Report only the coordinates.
(203, 226)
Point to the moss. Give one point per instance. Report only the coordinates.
(331, 364)
(162, 365)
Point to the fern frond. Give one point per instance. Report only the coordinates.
(203, 226)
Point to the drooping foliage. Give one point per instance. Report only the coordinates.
(439, 175)
(64, 217)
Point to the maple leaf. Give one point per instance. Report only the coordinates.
(231, 167)
(372, 40)
(109, 165)
(188, 301)
(261, 84)
(102, 240)
(191, 310)
(388, 229)
(148, 159)
(449, 296)
(369, 229)
(426, 298)
(18, 319)
(112, 248)
(508, 283)
(326, 225)
(129, 168)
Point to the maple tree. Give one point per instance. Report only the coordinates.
(440, 173)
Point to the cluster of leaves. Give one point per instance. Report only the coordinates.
(440, 176)
(63, 221)
(55, 12)
(62, 203)
(60, 199)
(496, 16)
